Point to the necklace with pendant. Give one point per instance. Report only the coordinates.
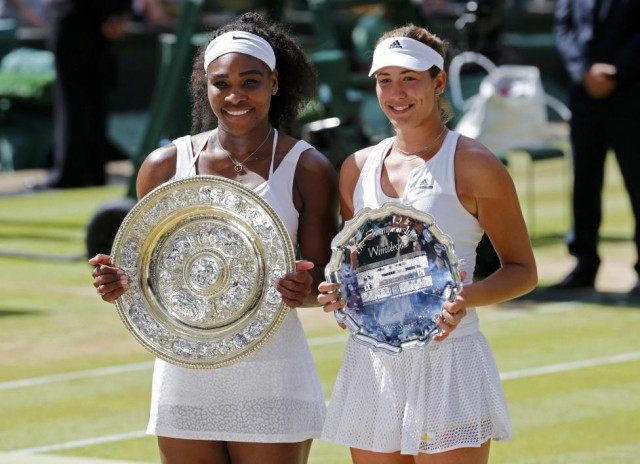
(422, 150)
(238, 166)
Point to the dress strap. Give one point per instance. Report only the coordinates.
(273, 152)
(197, 155)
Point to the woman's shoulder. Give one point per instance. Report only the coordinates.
(158, 167)
(314, 163)
(474, 155)
(162, 157)
(355, 162)
(311, 160)
(476, 165)
(315, 178)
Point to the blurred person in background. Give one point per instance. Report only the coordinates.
(85, 73)
(153, 12)
(248, 85)
(27, 13)
(599, 42)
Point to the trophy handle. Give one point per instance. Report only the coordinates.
(332, 277)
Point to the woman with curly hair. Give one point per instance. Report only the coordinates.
(248, 84)
(442, 404)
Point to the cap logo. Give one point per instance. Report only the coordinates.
(240, 42)
(405, 52)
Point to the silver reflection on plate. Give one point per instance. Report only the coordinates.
(201, 255)
(396, 269)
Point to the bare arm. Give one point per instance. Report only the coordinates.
(487, 191)
(157, 168)
(328, 296)
(349, 175)
(315, 186)
(110, 281)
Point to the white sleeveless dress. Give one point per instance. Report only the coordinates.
(445, 396)
(273, 395)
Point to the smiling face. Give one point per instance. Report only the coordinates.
(408, 97)
(239, 88)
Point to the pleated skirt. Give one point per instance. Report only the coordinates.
(444, 396)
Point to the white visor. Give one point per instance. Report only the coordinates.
(405, 53)
(240, 42)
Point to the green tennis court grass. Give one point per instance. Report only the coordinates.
(583, 409)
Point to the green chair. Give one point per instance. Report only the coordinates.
(26, 82)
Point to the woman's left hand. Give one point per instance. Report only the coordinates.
(295, 287)
(451, 315)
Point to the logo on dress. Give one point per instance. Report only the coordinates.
(424, 184)
(395, 44)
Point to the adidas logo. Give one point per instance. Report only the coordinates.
(395, 44)
(424, 184)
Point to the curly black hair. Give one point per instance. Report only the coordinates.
(297, 76)
(423, 35)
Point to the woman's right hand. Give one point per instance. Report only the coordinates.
(330, 298)
(110, 281)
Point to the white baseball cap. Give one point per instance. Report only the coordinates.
(406, 53)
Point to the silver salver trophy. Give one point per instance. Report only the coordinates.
(396, 269)
(202, 255)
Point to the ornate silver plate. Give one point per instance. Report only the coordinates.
(396, 269)
(201, 255)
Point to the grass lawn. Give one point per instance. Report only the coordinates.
(74, 384)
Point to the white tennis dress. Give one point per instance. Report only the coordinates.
(447, 395)
(273, 395)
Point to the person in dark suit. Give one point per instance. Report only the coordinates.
(599, 41)
(85, 69)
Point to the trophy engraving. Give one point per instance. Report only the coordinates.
(396, 269)
(201, 254)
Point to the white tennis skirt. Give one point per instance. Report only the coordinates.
(438, 398)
